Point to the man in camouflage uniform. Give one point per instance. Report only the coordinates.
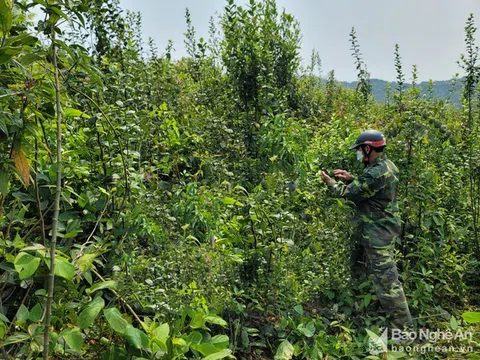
(374, 194)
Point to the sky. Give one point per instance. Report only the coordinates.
(430, 33)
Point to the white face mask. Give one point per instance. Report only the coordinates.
(360, 155)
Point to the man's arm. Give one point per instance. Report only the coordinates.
(343, 175)
(360, 189)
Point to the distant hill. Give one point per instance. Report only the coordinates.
(441, 89)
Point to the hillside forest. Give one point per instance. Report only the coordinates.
(153, 208)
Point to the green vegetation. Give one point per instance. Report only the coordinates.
(153, 209)
(450, 90)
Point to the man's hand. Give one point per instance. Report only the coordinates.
(343, 175)
(327, 179)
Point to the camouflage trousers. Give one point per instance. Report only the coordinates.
(383, 273)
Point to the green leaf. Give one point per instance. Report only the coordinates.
(393, 355)
(91, 311)
(307, 331)
(197, 321)
(64, 269)
(3, 125)
(73, 338)
(161, 333)
(284, 351)
(109, 284)
(88, 276)
(219, 355)
(4, 182)
(366, 299)
(220, 341)
(3, 329)
(26, 264)
(205, 348)
(217, 320)
(377, 340)
(15, 338)
(159, 337)
(7, 52)
(85, 262)
(179, 342)
(60, 13)
(35, 313)
(20, 40)
(82, 200)
(194, 338)
(471, 317)
(74, 113)
(5, 16)
(22, 314)
(231, 201)
(35, 246)
(298, 309)
(136, 337)
(453, 323)
(23, 197)
(27, 59)
(473, 356)
(115, 320)
(116, 353)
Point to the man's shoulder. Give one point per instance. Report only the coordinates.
(374, 171)
(390, 165)
(382, 167)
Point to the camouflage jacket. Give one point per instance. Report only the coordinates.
(374, 194)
